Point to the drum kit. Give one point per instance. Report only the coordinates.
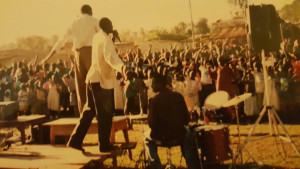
(213, 140)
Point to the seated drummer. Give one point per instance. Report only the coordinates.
(167, 119)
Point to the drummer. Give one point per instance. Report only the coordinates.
(167, 119)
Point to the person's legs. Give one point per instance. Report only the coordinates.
(82, 66)
(105, 111)
(151, 151)
(190, 151)
(85, 121)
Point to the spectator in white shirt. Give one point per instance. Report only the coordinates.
(259, 86)
(178, 85)
(148, 83)
(81, 31)
(206, 82)
(192, 87)
(100, 81)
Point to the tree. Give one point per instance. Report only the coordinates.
(180, 29)
(33, 43)
(163, 34)
(201, 26)
(291, 12)
(240, 3)
(143, 34)
(238, 8)
(125, 35)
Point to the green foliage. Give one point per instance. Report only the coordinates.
(163, 34)
(238, 2)
(201, 26)
(291, 12)
(180, 29)
(36, 43)
(33, 43)
(290, 31)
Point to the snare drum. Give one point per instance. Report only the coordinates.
(213, 140)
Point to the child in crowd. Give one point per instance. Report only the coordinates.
(23, 100)
(192, 88)
(178, 84)
(53, 98)
(41, 98)
(69, 81)
(130, 94)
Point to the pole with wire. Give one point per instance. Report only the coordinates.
(192, 23)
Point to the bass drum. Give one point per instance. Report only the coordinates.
(213, 140)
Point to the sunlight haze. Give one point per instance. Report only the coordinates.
(20, 18)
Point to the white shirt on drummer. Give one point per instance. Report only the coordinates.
(105, 61)
(81, 31)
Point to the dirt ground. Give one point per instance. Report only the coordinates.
(265, 153)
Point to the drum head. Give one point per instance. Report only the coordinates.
(210, 127)
(215, 100)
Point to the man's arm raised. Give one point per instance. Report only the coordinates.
(58, 45)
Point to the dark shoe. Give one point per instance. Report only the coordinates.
(110, 148)
(75, 146)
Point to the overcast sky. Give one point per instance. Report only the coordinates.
(20, 18)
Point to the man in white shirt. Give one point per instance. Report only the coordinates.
(206, 82)
(100, 82)
(81, 31)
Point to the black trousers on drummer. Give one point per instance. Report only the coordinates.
(100, 103)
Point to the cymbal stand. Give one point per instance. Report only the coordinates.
(271, 112)
(238, 129)
(272, 115)
(239, 151)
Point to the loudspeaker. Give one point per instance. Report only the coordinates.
(9, 111)
(263, 28)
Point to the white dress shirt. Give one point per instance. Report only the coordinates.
(105, 61)
(81, 31)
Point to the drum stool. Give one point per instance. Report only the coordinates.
(168, 145)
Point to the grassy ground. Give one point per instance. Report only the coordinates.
(267, 153)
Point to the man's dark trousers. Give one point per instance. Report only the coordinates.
(100, 102)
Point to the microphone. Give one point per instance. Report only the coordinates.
(116, 36)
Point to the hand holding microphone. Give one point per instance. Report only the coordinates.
(116, 36)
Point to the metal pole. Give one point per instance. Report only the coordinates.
(267, 89)
(192, 23)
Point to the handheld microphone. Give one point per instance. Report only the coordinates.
(116, 36)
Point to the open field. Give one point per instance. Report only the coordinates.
(268, 153)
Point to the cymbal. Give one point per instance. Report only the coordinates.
(215, 100)
(237, 99)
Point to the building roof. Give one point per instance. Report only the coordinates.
(229, 29)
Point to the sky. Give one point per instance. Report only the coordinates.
(21, 18)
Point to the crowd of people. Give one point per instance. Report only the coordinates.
(195, 73)
(47, 89)
(170, 85)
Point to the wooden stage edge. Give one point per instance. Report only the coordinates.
(47, 156)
